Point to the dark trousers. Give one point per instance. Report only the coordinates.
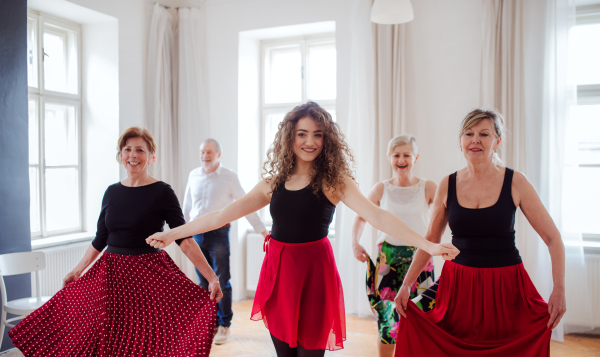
(215, 247)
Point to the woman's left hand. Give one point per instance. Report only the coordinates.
(557, 306)
(445, 250)
(159, 240)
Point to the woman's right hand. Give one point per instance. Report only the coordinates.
(215, 290)
(360, 253)
(401, 300)
(70, 277)
(445, 250)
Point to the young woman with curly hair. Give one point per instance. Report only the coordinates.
(308, 172)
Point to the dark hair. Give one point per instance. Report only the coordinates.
(331, 166)
(135, 132)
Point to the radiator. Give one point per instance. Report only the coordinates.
(254, 259)
(592, 263)
(62, 259)
(59, 262)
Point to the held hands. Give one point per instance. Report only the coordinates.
(360, 253)
(445, 250)
(401, 300)
(557, 306)
(69, 278)
(159, 240)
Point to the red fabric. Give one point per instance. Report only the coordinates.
(299, 295)
(492, 312)
(125, 305)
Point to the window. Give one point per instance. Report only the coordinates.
(53, 76)
(295, 71)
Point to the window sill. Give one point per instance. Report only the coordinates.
(62, 240)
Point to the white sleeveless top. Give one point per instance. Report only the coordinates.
(409, 204)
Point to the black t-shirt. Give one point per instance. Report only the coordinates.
(131, 214)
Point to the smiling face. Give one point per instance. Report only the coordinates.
(479, 142)
(136, 156)
(403, 159)
(308, 139)
(209, 156)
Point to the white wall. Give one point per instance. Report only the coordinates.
(132, 56)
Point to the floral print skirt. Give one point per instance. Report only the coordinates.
(385, 279)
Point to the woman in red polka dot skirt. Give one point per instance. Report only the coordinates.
(133, 301)
(299, 295)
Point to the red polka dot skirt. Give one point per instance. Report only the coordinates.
(125, 305)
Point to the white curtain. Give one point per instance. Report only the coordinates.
(161, 117)
(560, 164)
(361, 138)
(524, 75)
(192, 105)
(177, 110)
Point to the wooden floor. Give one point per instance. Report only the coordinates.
(251, 339)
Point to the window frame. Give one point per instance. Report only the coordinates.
(43, 22)
(266, 109)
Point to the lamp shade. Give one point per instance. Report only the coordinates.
(391, 12)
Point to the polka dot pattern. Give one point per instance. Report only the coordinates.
(125, 305)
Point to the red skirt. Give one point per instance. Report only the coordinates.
(299, 295)
(125, 305)
(492, 312)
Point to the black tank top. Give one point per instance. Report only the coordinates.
(300, 216)
(484, 236)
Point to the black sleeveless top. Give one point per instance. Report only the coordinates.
(484, 236)
(300, 216)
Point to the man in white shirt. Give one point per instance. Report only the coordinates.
(211, 187)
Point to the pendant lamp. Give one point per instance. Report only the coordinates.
(390, 12)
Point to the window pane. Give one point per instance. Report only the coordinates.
(55, 61)
(34, 140)
(62, 199)
(271, 127)
(34, 197)
(580, 200)
(321, 72)
(585, 54)
(586, 119)
(31, 54)
(283, 75)
(60, 135)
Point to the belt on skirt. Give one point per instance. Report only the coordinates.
(132, 251)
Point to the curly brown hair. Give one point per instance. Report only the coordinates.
(331, 166)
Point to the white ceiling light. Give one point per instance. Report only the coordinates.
(391, 12)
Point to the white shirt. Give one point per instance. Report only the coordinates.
(211, 192)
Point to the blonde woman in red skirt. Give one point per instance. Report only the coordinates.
(308, 172)
(486, 305)
(133, 301)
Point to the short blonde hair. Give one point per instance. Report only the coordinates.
(477, 115)
(135, 132)
(403, 140)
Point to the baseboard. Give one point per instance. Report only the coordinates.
(13, 352)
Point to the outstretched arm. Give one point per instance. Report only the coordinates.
(532, 207)
(390, 224)
(437, 226)
(253, 201)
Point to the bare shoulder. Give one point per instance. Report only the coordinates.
(378, 189)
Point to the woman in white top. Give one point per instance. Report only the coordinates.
(408, 198)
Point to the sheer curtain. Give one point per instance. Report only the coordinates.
(177, 109)
(361, 138)
(161, 117)
(376, 114)
(524, 75)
